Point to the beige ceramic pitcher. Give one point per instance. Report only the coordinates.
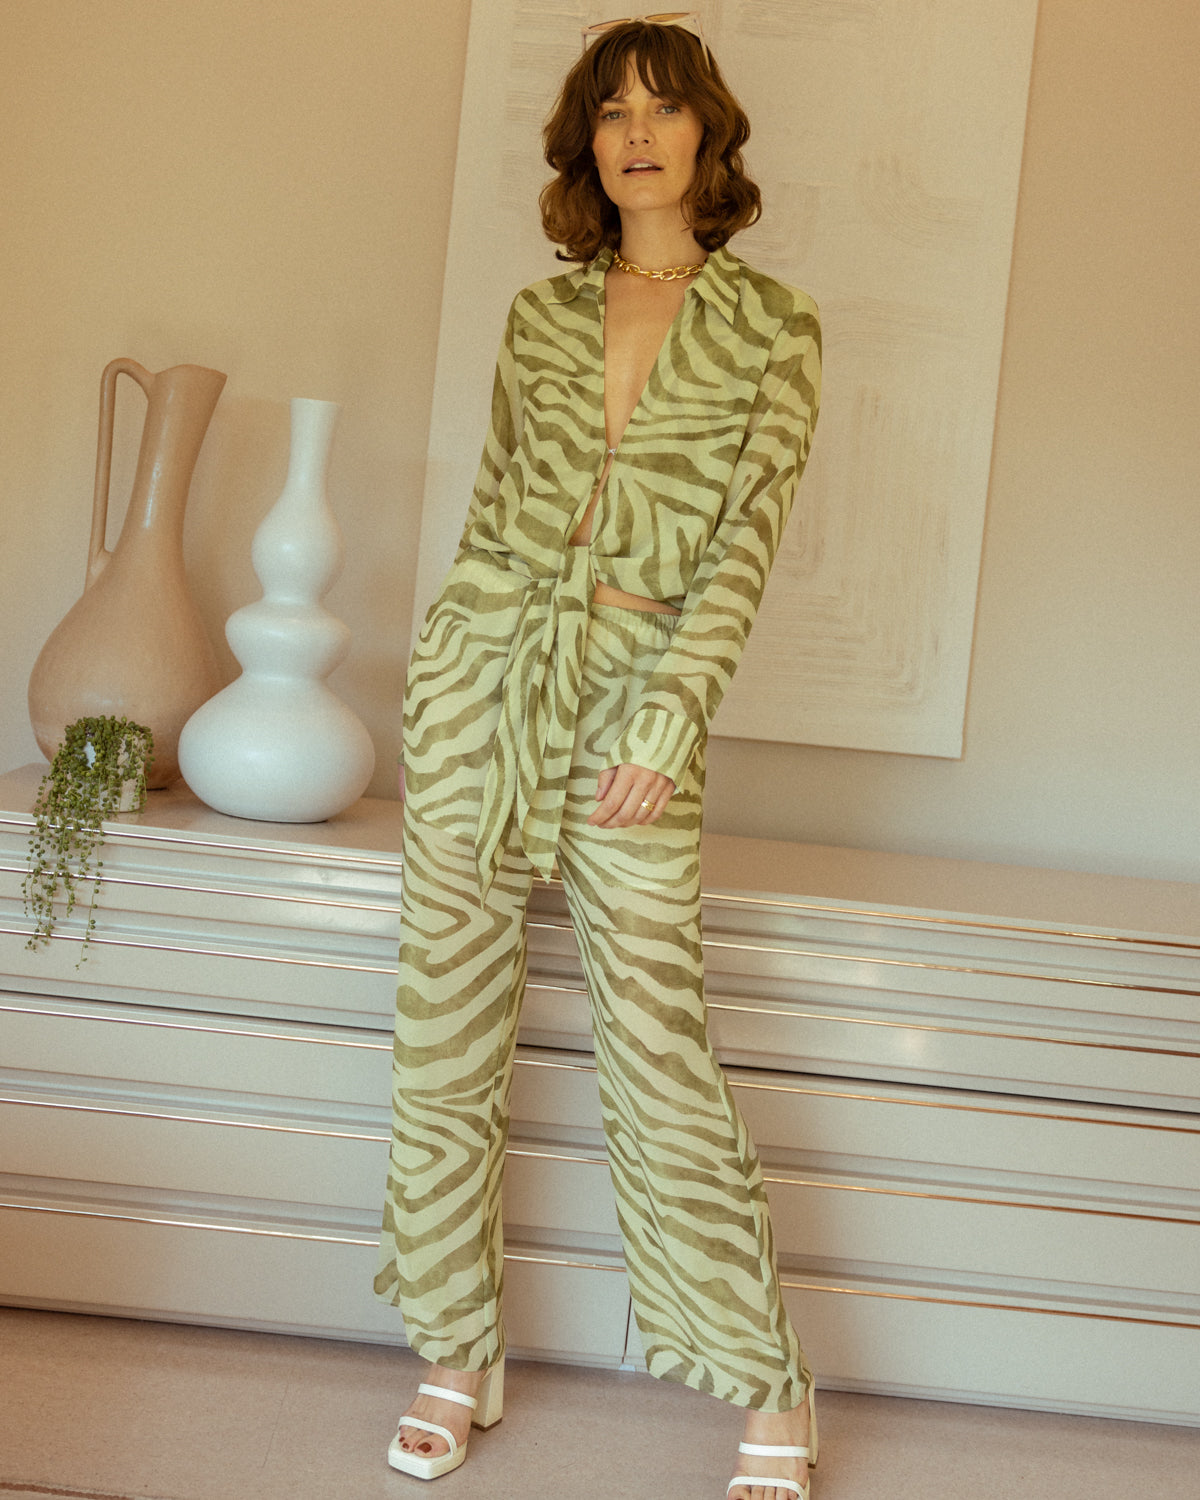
(134, 644)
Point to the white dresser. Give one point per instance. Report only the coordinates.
(976, 1091)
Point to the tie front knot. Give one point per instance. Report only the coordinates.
(531, 760)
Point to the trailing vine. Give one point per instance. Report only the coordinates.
(97, 759)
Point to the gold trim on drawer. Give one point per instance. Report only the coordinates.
(975, 1109)
(172, 1025)
(855, 1096)
(124, 833)
(163, 1222)
(97, 940)
(891, 1192)
(583, 1161)
(132, 1218)
(573, 1265)
(935, 920)
(913, 963)
(389, 908)
(1021, 1203)
(174, 1118)
(1017, 1307)
(784, 1010)
(946, 920)
(549, 1062)
(182, 1119)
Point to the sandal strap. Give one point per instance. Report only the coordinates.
(443, 1394)
(750, 1480)
(442, 1432)
(771, 1450)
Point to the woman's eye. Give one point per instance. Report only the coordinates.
(670, 109)
(610, 114)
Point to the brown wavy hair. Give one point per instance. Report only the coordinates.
(576, 211)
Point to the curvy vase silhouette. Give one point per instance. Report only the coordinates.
(277, 744)
(134, 645)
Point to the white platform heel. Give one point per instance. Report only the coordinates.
(486, 1410)
(774, 1450)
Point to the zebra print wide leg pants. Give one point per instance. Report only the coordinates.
(693, 1212)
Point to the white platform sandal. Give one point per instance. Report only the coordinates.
(486, 1410)
(773, 1450)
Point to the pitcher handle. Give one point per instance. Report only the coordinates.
(98, 554)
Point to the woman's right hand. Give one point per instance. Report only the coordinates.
(629, 796)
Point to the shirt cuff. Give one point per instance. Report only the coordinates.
(657, 739)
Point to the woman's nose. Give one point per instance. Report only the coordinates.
(639, 130)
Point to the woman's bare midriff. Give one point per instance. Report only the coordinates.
(604, 593)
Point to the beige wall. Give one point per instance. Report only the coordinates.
(264, 188)
(223, 184)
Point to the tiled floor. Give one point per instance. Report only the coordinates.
(103, 1407)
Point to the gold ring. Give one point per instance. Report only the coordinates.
(649, 806)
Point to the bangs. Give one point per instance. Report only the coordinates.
(665, 58)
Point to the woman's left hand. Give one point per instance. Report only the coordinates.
(629, 795)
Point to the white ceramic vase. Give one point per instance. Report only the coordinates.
(276, 744)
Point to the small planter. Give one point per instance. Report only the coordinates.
(98, 773)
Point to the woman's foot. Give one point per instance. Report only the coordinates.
(448, 1414)
(785, 1429)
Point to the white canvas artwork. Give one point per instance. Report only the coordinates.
(887, 139)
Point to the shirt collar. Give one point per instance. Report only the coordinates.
(720, 282)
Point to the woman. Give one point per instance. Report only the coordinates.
(651, 415)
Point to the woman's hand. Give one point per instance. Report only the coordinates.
(629, 795)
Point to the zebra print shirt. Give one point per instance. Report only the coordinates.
(691, 513)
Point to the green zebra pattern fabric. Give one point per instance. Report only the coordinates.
(691, 515)
(693, 1212)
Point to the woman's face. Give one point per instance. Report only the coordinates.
(645, 147)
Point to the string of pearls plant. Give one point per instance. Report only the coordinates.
(86, 783)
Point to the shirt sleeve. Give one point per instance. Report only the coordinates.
(504, 430)
(675, 707)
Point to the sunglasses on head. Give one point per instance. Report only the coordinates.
(688, 19)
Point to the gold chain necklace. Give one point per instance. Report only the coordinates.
(672, 273)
